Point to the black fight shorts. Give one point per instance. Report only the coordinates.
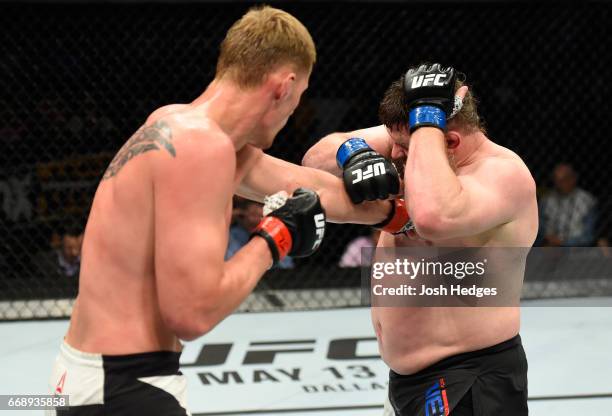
(487, 382)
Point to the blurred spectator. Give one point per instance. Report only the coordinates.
(65, 260)
(567, 214)
(352, 253)
(245, 217)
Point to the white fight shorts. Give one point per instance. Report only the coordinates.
(148, 383)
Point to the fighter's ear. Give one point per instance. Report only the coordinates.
(453, 139)
(284, 88)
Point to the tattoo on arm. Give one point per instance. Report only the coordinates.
(146, 138)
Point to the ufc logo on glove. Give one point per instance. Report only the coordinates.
(429, 79)
(370, 171)
(319, 221)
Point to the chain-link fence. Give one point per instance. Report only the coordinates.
(77, 80)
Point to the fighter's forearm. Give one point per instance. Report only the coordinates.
(323, 154)
(432, 187)
(240, 276)
(271, 175)
(339, 208)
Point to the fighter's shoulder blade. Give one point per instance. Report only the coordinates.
(197, 142)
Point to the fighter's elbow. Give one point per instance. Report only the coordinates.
(189, 319)
(189, 334)
(430, 224)
(314, 158)
(186, 326)
(323, 154)
(309, 158)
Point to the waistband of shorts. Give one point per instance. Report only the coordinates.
(78, 357)
(154, 363)
(464, 356)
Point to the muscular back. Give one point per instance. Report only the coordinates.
(117, 309)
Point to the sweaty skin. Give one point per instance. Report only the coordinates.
(486, 200)
(152, 269)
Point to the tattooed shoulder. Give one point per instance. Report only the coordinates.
(147, 138)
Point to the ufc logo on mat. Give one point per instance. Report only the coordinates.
(319, 220)
(372, 170)
(430, 79)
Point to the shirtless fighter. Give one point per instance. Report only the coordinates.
(461, 190)
(152, 269)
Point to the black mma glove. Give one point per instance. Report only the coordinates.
(367, 175)
(430, 95)
(295, 228)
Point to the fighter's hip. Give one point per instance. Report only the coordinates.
(143, 383)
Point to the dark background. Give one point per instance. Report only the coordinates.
(76, 80)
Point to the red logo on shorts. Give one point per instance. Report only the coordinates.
(60, 384)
